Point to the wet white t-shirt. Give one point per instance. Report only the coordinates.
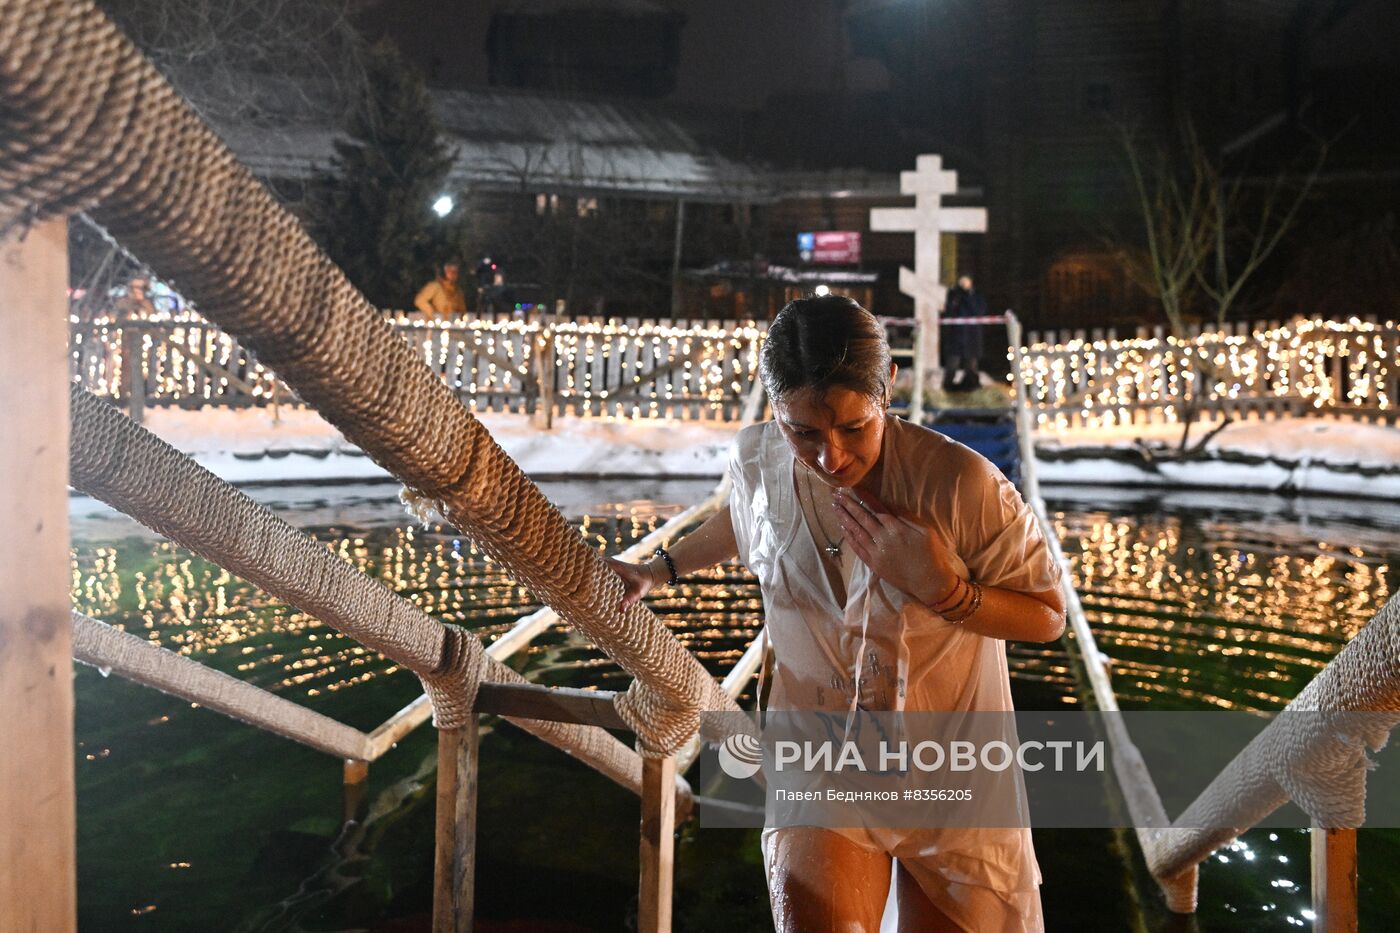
(911, 658)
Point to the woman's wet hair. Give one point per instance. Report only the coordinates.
(824, 342)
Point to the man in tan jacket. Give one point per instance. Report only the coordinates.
(441, 298)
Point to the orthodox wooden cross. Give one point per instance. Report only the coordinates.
(927, 219)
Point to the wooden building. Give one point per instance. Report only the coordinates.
(1026, 99)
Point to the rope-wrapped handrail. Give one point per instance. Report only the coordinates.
(117, 461)
(528, 627)
(1314, 754)
(110, 649)
(1317, 760)
(87, 123)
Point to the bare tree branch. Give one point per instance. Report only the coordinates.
(1205, 236)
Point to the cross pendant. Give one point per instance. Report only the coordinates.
(833, 549)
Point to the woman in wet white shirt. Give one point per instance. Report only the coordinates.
(893, 558)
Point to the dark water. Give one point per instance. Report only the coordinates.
(1213, 601)
(188, 820)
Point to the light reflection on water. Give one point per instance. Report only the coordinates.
(1202, 606)
(193, 607)
(1234, 604)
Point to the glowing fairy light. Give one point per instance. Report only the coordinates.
(667, 369)
(1325, 365)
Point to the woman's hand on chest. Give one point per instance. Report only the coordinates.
(909, 555)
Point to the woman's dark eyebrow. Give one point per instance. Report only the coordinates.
(854, 422)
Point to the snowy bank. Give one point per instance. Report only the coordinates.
(1285, 455)
(249, 446)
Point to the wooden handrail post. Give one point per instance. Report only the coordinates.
(38, 880)
(355, 787)
(133, 369)
(543, 356)
(455, 863)
(658, 844)
(1334, 880)
(530, 379)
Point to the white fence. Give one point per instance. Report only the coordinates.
(691, 369)
(629, 368)
(1344, 368)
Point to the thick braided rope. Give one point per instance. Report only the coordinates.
(100, 645)
(87, 123)
(115, 460)
(1315, 757)
(128, 467)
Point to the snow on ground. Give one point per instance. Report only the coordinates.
(1306, 455)
(1341, 441)
(248, 445)
(1315, 455)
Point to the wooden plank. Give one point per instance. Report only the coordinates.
(657, 845)
(632, 355)
(134, 373)
(1334, 880)
(209, 381)
(207, 374)
(454, 865)
(667, 369)
(38, 881)
(555, 704)
(354, 789)
(354, 771)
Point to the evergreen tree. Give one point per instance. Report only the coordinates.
(371, 210)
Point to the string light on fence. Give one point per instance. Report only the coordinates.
(182, 357)
(1319, 364)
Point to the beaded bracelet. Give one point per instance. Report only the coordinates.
(976, 604)
(956, 611)
(670, 565)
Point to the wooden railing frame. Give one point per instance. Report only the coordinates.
(38, 874)
(1333, 851)
(458, 749)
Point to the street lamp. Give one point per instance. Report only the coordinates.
(443, 205)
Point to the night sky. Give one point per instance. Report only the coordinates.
(734, 53)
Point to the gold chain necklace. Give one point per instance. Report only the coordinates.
(832, 550)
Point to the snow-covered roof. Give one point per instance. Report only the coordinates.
(506, 138)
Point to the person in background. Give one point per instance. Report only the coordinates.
(441, 298)
(498, 297)
(963, 342)
(136, 304)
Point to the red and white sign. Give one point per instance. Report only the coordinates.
(830, 247)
